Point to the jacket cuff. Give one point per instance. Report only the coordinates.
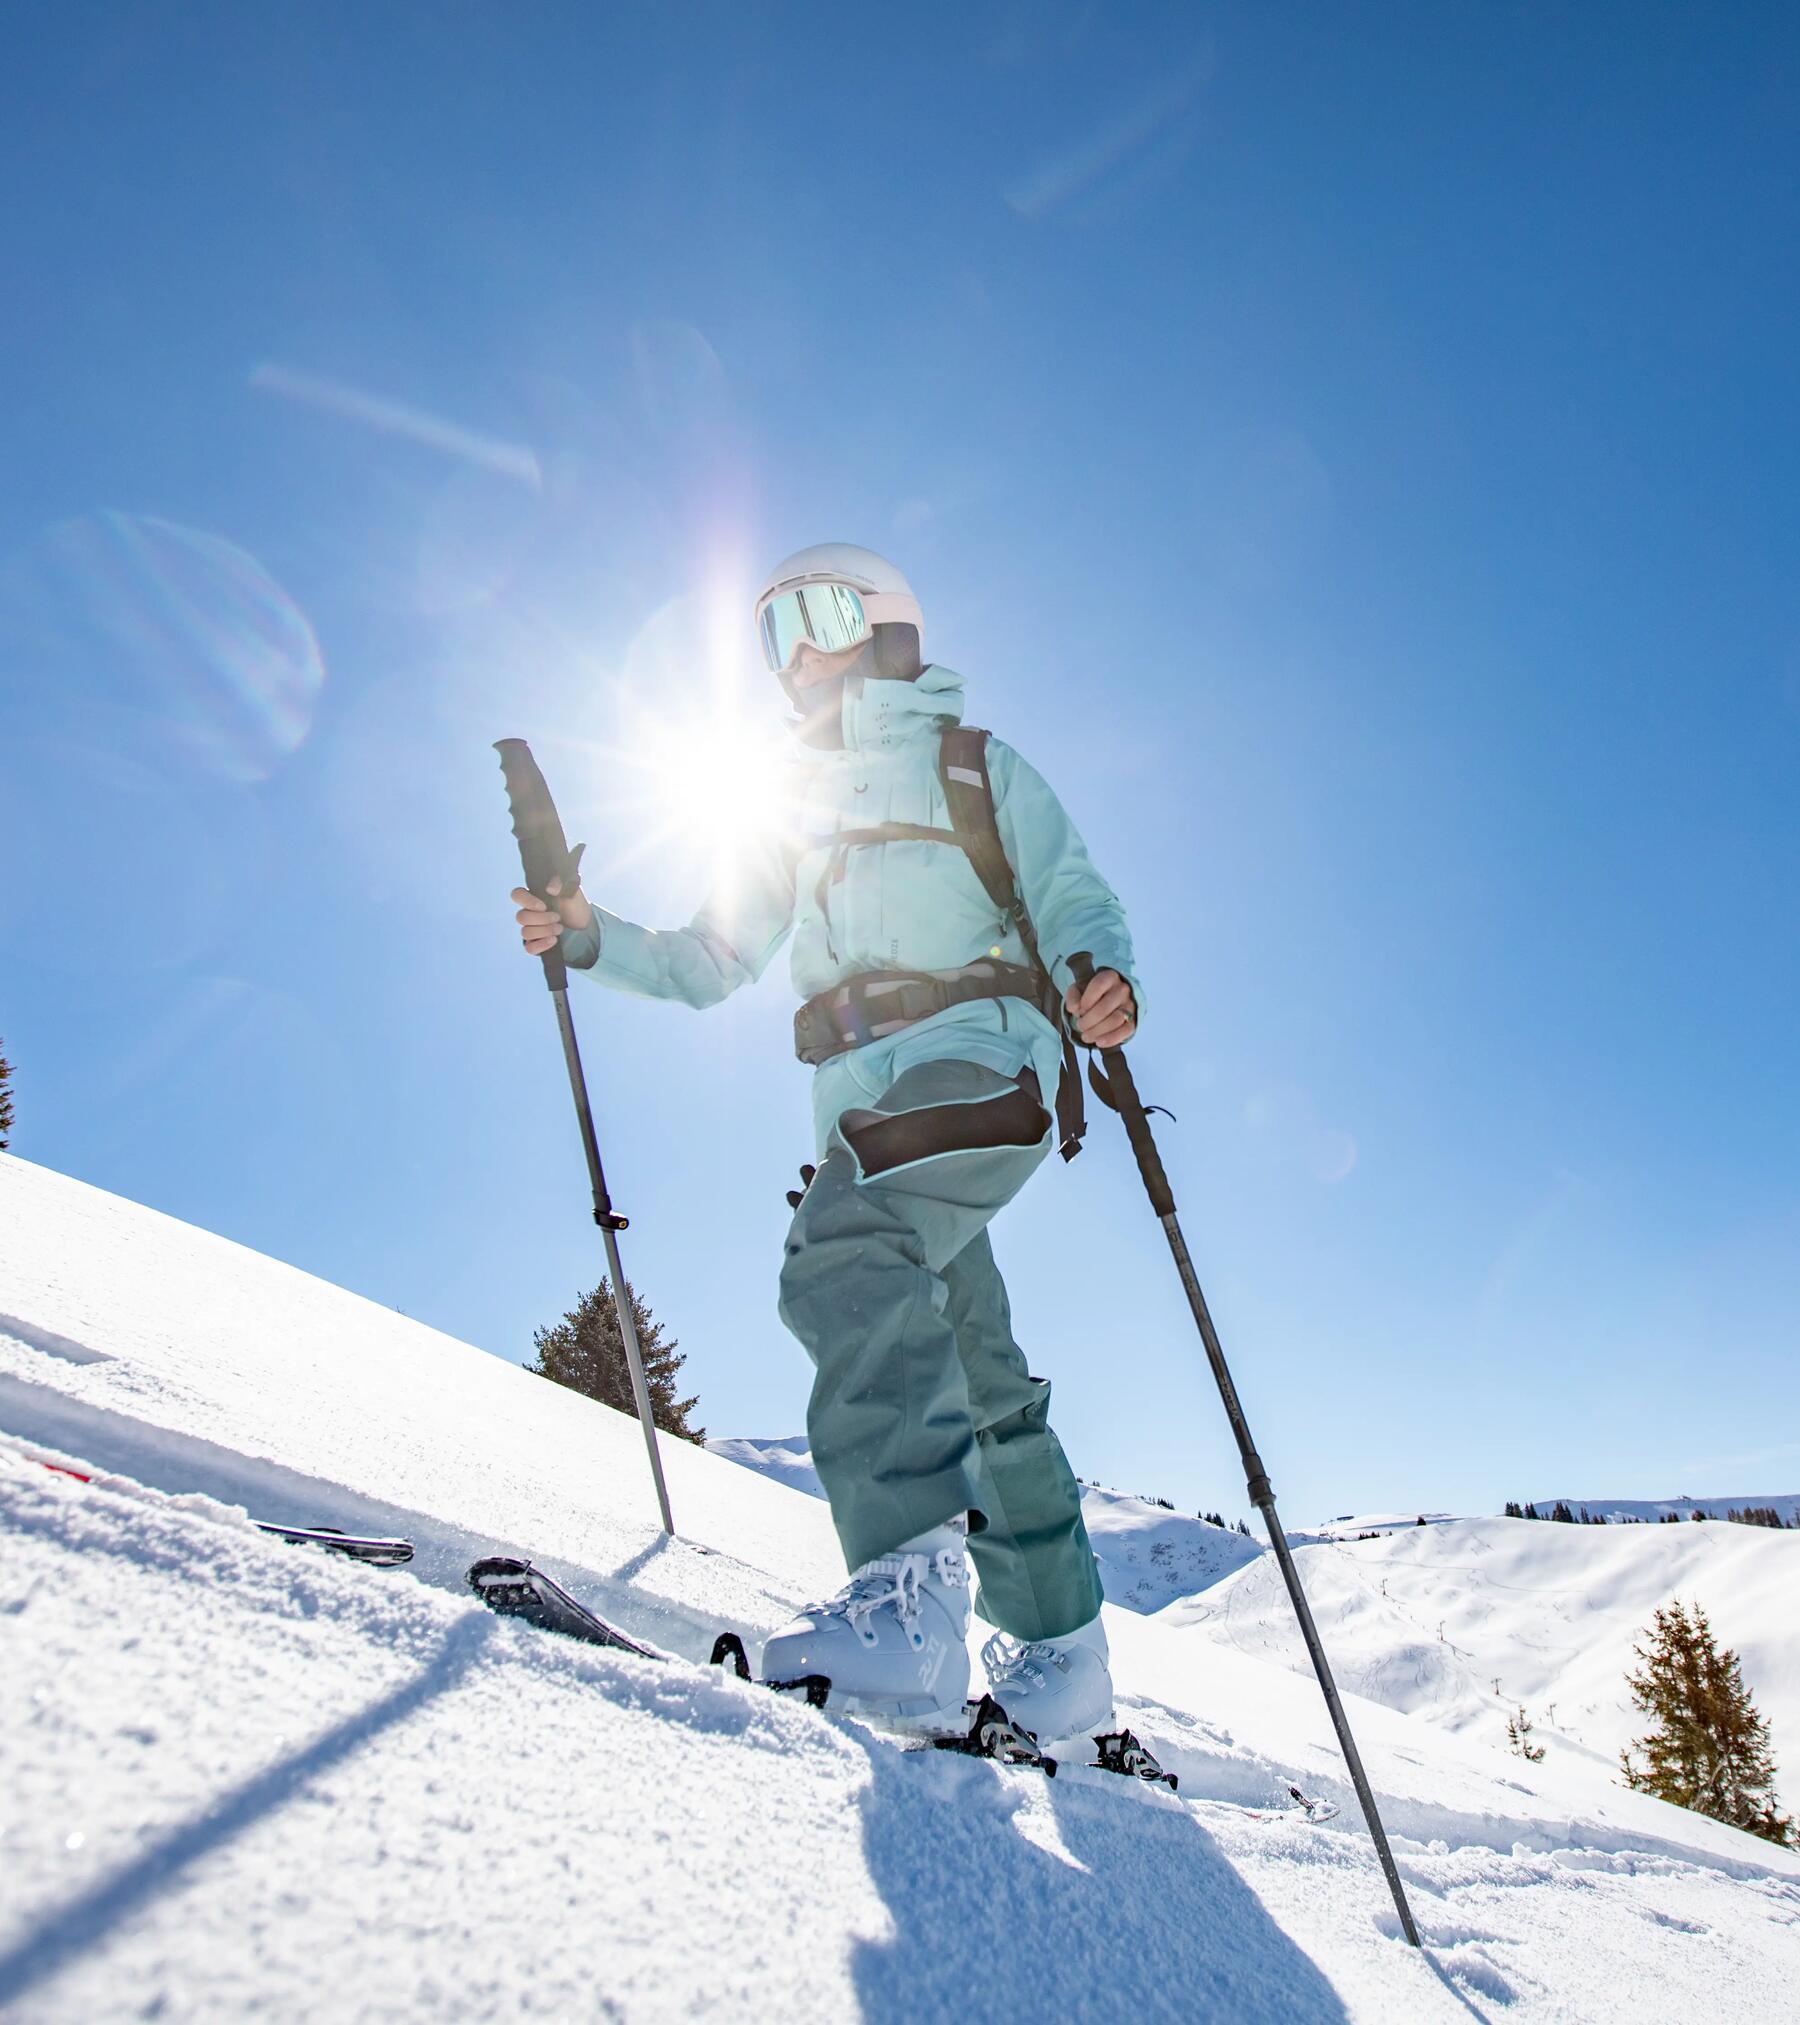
(581, 946)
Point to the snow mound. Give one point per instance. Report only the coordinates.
(1148, 1555)
(1428, 1619)
(236, 1768)
(785, 1458)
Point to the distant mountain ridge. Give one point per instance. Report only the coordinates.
(1650, 1510)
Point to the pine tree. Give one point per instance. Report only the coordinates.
(6, 1103)
(1513, 1509)
(1709, 1749)
(1562, 1514)
(1518, 1738)
(586, 1352)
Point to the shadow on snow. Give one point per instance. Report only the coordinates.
(1015, 1896)
(86, 1920)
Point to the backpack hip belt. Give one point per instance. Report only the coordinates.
(876, 1003)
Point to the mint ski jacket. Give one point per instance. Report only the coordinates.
(911, 905)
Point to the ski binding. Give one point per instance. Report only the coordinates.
(1121, 1752)
(728, 1651)
(518, 1589)
(994, 1734)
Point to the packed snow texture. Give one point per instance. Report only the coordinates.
(240, 1776)
(1148, 1555)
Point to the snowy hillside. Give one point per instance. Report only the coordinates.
(1427, 1618)
(244, 1777)
(1148, 1555)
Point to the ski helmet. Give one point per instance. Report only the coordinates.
(883, 598)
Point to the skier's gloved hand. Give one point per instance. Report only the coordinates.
(796, 1196)
(542, 921)
(1104, 1011)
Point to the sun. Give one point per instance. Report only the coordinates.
(702, 791)
(723, 786)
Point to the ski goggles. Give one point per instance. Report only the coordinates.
(829, 617)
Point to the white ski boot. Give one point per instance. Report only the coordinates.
(1053, 1687)
(893, 1641)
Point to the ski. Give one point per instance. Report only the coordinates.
(372, 1551)
(375, 1551)
(1305, 1808)
(518, 1589)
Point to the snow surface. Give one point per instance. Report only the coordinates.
(241, 1777)
(1148, 1555)
(1428, 1618)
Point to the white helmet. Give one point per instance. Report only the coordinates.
(886, 597)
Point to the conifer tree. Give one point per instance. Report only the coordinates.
(6, 1103)
(1518, 1738)
(1709, 1749)
(586, 1352)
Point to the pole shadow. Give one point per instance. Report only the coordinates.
(86, 1920)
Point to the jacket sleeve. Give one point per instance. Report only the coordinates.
(1071, 905)
(727, 944)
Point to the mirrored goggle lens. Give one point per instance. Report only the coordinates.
(830, 616)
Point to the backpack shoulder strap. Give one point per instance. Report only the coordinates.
(963, 770)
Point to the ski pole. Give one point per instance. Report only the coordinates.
(545, 855)
(1121, 1094)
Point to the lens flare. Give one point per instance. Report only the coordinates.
(169, 623)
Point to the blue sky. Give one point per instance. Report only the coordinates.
(1351, 451)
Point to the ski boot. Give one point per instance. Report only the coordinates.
(892, 1642)
(1053, 1687)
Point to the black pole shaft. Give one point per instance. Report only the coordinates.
(550, 869)
(1256, 1478)
(610, 1223)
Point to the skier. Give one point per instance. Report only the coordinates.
(931, 1018)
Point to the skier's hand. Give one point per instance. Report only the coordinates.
(542, 921)
(1105, 1013)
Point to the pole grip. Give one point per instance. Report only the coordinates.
(544, 852)
(1130, 1106)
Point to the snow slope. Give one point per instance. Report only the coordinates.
(1427, 1618)
(1148, 1555)
(239, 1776)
